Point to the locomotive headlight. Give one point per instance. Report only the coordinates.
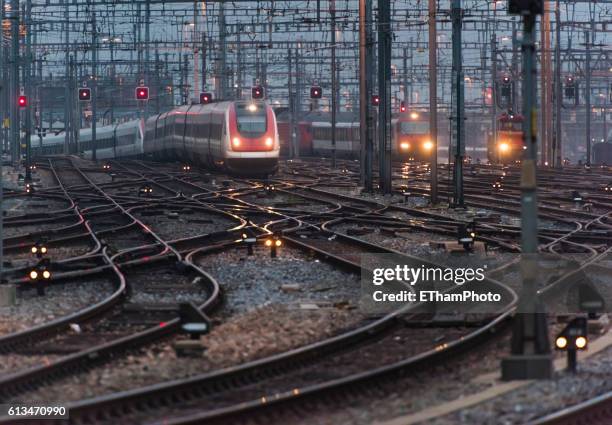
(33, 274)
(269, 142)
(504, 147)
(561, 342)
(46, 274)
(404, 146)
(414, 115)
(428, 145)
(252, 107)
(236, 142)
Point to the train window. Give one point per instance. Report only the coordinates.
(414, 127)
(251, 119)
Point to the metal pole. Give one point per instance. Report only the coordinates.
(28, 89)
(544, 95)
(405, 67)
(531, 358)
(291, 107)
(13, 16)
(332, 12)
(94, 83)
(364, 99)
(112, 70)
(384, 88)
(494, 91)
(297, 107)
(204, 60)
(74, 106)
(1, 191)
(3, 140)
(558, 145)
(67, 71)
(529, 227)
(433, 100)
(147, 54)
(456, 16)
(222, 72)
(587, 96)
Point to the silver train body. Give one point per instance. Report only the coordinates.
(112, 141)
(239, 137)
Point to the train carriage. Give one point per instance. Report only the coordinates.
(240, 137)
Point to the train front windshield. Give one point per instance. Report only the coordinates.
(415, 128)
(252, 119)
(510, 125)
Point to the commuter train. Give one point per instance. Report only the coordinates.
(240, 137)
(410, 137)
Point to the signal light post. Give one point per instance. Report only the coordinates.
(530, 355)
(571, 339)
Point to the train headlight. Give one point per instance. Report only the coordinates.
(34, 250)
(33, 274)
(404, 146)
(504, 147)
(561, 342)
(278, 242)
(428, 145)
(46, 274)
(581, 342)
(269, 142)
(268, 242)
(414, 115)
(252, 107)
(236, 142)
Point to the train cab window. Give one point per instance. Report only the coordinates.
(251, 119)
(511, 125)
(414, 127)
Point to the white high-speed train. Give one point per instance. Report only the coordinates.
(112, 141)
(236, 136)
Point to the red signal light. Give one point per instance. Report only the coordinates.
(402, 107)
(84, 94)
(22, 101)
(257, 92)
(205, 98)
(316, 92)
(142, 93)
(375, 100)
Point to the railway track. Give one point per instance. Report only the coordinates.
(310, 228)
